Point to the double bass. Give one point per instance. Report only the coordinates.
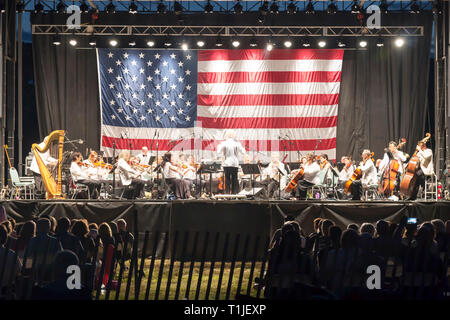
(409, 180)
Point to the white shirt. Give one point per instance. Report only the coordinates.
(170, 174)
(76, 172)
(190, 173)
(399, 156)
(369, 173)
(346, 174)
(273, 173)
(144, 159)
(46, 158)
(426, 161)
(126, 173)
(311, 173)
(230, 149)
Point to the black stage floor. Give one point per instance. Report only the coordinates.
(230, 219)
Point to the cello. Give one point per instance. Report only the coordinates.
(357, 174)
(293, 183)
(409, 180)
(388, 183)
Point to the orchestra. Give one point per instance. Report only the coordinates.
(394, 176)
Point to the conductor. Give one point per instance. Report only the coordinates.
(230, 149)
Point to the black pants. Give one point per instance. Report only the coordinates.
(181, 187)
(356, 190)
(420, 181)
(138, 186)
(93, 186)
(302, 188)
(38, 186)
(231, 180)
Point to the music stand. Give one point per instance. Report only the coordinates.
(151, 160)
(210, 168)
(292, 166)
(251, 169)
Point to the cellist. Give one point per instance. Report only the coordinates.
(310, 176)
(397, 155)
(426, 167)
(369, 175)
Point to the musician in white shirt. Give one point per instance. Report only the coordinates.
(347, 171)
(79, 173)
(425, 156)
(369, 175)
(129, 176)
(396, 154)
(173, 176)
(276, 175)
(310, 176)
(48, 161)
(144, 157)
(231, 149)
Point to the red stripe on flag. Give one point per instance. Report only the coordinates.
(277, 54)
(268, 100)
(269, 76)
(268, 123)
(259, 145)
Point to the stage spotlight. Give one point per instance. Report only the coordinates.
(274, 7)
(39, 7)
(399, 42)
(356, 8)
(322, 43)
(92, 41)
(236, 43)
(237, 9)
(56, 40)
(201, 43)
(380, 42)
(288, 43)
(113, 42)
(110, 8)
(132, 43)
(150, 43)
(219, 41)
(437, 8)
(310, 8)
(414, 7)
(341, 43)
(73, 42)
(306, 43)
(167, 42)
(133, 9)
(362, 43)
(20, 7)
(384, 6)
(269, 46)
(84, 8)
(332, 9)
(61, 7)
(264, 9)
(184, 45)
(209, 8)
(253, 42)
(177, 8)
(291, 8)
(161, 8)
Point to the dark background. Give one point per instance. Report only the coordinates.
(384, 91)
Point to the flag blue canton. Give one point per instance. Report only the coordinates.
(148, 88)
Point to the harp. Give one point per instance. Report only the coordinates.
(51, 178)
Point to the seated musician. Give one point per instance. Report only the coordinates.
(80, 174)
(323, 162)
(189, 173)
(49, 161)
(310, 176)
(276, 174)
(129, 176)
(396, 154)
(347, 170)
(144, 157)
(369, 175)
(173, 175)
(426, 167)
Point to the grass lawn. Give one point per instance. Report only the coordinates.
(184, 281)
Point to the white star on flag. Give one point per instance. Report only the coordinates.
(134, 78)
(180, 64)
(119, 78)
(188, 88)
(126, 55)
(165, 111)
(165, 79)
(119, 95)
(142, 86)
(188, 57)
(188, 103)
(158, 87)
(150, 110)
(112, 102)
(125, 70)
(141, 55)
(127, 86)
(172, 71)
(111, 86)
(141, 71)
(180, 111)
(142, 103)
(157, 118)
(110, 70)
(157, 71)
(157, 56)
(127, 103)
(134, 95)
(128, 118)
(149, 63)
(142, 118)
(188, 72)
(172, 118)
(120, 110)
(180, 96)
(113, 117)
(172, 103)
(149, 95)
(188, 118)
(165, 96)
(165, 63)
(173, 56)
(173, 87)
(135, 110)
(110, 55)
(158, 103)
(118, 62)
(134, 63)
(149, 78)
(180, 79)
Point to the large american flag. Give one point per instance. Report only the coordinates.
(284, 100)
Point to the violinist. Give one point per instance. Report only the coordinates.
(190, 174)
(129, 176)
(323, 162)
(144, 157)
(80, 174)
(310, 176)
(426, 168)
(173, 175)
(369, 175)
